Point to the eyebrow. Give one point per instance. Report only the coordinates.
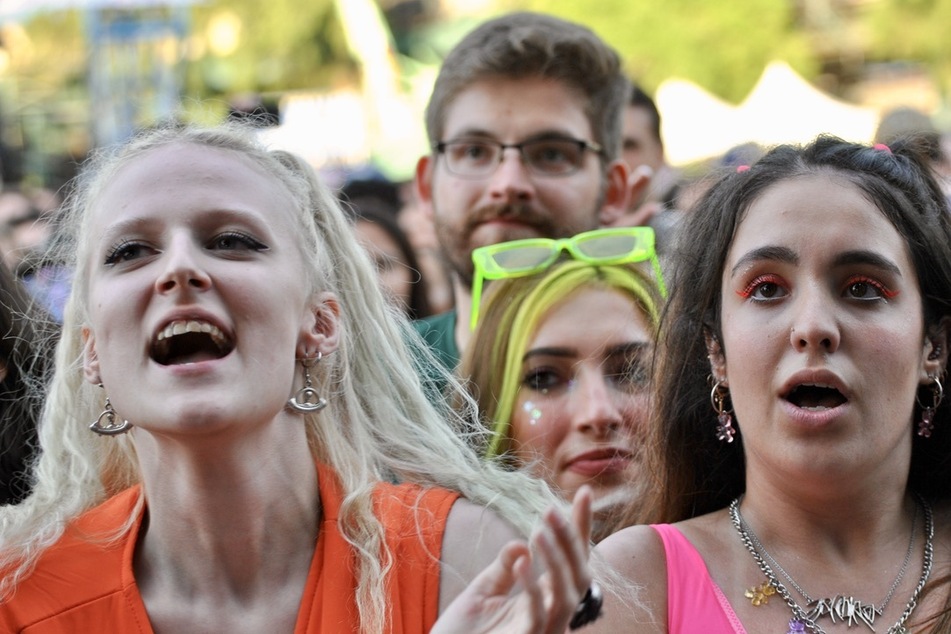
(788, 256)
(773, 253)
(541, 135)
(869, 258)
(613, 351)
(213, 216)
(549, 352)
(626, 349)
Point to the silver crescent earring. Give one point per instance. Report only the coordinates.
(106, 425)
(306, 399)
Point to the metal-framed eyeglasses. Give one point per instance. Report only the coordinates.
(520, 258)
(546, 156)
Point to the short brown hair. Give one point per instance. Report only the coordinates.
(521, 45)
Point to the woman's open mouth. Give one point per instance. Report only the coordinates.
(815, 396)
(190, 341)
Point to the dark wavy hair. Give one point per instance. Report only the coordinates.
(695, 472)
(27, 339)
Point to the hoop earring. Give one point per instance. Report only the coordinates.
(306, 400)
(108, 415)
(926, 422)
(725, 429)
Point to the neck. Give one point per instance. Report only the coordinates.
(463, 304)
(229, 517)
(814, 599)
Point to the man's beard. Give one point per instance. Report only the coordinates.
(457, 250)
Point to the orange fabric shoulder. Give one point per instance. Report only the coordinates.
(78, 584)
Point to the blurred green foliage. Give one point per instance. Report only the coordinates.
(283, 45)
(722, 46)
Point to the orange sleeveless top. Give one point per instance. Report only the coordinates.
(83, 585)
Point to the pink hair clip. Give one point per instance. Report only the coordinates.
(882, 147)
(742, 168)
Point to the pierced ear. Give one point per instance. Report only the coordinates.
(321, 329)
(717, 359)
(90, 357)
(935, 357)
(617, 194)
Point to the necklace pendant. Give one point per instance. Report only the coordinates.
(796, 627)
(759, 595)
(849, 610)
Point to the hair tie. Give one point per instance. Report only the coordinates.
(882, 147)
(742, 168)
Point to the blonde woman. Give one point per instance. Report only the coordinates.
(232, 402)
(561, 369)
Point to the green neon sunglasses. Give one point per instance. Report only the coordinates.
(520, 258)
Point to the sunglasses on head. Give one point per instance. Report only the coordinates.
(520, 258)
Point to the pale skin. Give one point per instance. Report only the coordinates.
(231, 488)
(512, 111)
(826, 481)
(583, 394)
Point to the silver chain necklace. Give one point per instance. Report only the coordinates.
(848, 609)
(839, 607)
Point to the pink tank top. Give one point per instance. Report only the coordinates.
(695, 603)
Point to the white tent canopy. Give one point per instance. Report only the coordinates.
(782, 108)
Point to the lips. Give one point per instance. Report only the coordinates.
(190, 341)
(601, 462)
(816, 390)
(816, 396)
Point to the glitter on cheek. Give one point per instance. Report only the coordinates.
(534, 414)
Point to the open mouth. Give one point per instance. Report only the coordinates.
(815, 396)
(190, 341)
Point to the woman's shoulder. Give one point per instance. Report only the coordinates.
(83, 569)
(635, 581)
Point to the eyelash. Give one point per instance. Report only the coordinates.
(881, 288)
(532, 379)
(750, 288)
(117, 251)
(249, 242)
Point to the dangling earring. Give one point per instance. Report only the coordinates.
(108, 415)
(306, 399)
(926, 423)
(725, 429)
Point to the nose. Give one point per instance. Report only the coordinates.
(182, 270)
(814, 327)
(511, 182)
(595, 405)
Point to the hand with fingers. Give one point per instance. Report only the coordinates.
(536, 588)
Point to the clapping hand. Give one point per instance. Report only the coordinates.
(514, 596)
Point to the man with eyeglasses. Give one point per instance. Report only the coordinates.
(525, 126)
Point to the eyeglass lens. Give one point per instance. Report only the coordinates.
(522, 258)
(549, 157)
(608, 246)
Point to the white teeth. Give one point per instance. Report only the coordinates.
(824, 385)
(181, 326)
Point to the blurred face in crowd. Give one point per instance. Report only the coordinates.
(512, 201)
(23, 231)
(639, 146)
(583, 397)
(396, 276)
